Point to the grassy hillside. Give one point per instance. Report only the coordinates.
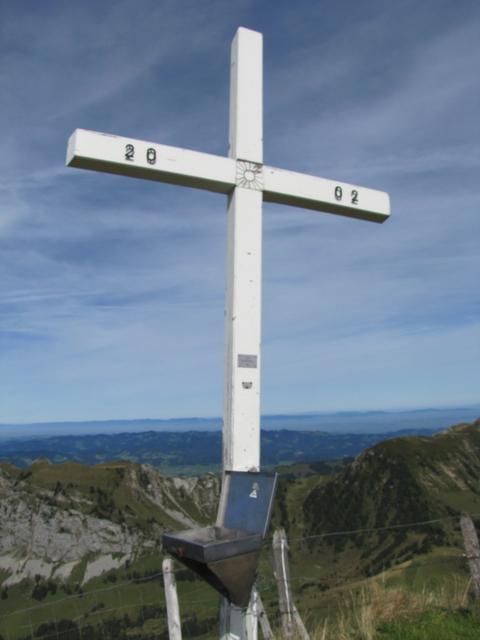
(399, 504)
(398, 482)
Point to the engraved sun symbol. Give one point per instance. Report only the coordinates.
(249, 175)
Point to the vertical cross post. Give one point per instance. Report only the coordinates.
(241, 422)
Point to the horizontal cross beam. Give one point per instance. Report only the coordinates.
(152, 161)
(320, 194)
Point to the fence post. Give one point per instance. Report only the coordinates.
(171, 599)
(263, 619)
(302, 632)
(472, 550)
(281, 571)
(288, 612)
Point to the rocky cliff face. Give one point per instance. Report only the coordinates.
(55, 519)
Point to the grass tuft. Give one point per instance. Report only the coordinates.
(378, 612)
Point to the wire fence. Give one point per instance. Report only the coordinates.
(141, 614)
(409, 525)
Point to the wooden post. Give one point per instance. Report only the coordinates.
(171, 599)
(292, 623)
(263, 619)
(281, 572)
(301, 630)
(472, 550)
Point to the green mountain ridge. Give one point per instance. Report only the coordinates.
(419, 482)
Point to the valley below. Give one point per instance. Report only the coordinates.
(190, 452)
(80, 544)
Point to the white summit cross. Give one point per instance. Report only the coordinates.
(247, 182)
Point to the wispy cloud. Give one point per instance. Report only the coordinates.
(111, 290)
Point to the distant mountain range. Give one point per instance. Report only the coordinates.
(339, 422)
(190, 452)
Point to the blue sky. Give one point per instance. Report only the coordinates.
(111, 289)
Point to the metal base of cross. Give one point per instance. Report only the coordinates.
(237, 623)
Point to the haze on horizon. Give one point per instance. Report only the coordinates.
(353, 422)
(111, 289)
